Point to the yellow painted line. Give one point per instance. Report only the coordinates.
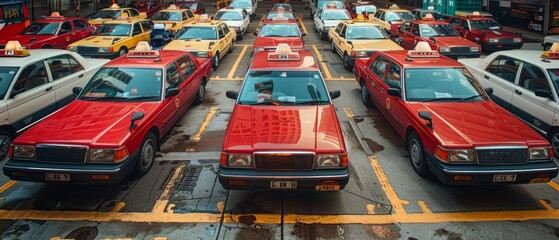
(424, 207)
(388, 189)
(553, 185)
(339, 79)
(370, 208)
(324, 68)
(161, 203)
(348, 112)
(119, 207)
(303, 25)
(7, 185)
(546, 205)
(243, 45)
(227, 79)
(58, 238)
(205, 124)
(230, 75)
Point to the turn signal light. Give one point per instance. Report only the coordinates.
(100, 177)
(330, 182)
(237, 183)
(462, 178)
(223, 160)
(18, 174)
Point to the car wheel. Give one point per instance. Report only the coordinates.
(332, 47)
(122, 52)
(241, 36)
(554, 141)
(147, 155)
(231, 47)
(365, 98)
(417, 157)
(200, 94)
(347, 66)
(216, 61)
(5, 142)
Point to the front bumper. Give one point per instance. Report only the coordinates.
(261, 180)
(456, 55)
(79, 173)
(500, 46)
(484, 174)
(101, 55)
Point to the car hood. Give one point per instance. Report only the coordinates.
(375, 45)
(98, 21)
(497, 34)
(285, 128)
(331, 23)
(475, 124)
(24, 40)
(190, 44)
(88, 123)
(100, 41)
(233, 23)
(453, 41)
(293, 42)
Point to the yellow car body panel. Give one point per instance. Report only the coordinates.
(203, 45)
(98, 21)
(384, 23)
(341, 43)
(176, 25)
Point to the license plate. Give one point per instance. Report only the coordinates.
(461, 57)
(158, 37)
(283, 184)
(539, 180)
(504, 178)
(58, 177)
(327, 187)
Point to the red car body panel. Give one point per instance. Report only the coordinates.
(482, 36)
(263, 42)
(307, 62)
(354, 14)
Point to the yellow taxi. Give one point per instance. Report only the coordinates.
(391, 17)
(114, 12)
(359, 39)
(205, 38)
(173, 17)
(114, 38)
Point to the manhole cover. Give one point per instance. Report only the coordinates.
(83, 233)
(189, 178)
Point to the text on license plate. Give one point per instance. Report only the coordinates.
(504, 178)
(283, 184)
(61, 177)
(327, 187)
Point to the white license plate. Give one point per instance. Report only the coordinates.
(327, 187)
(58, 177)
(283, 184)
(504, 178)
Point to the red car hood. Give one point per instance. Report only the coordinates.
(453, 41)
(496, 34)
(293, 42)
(477, 124)
(25, 39)
(87, 123)
(285, 128)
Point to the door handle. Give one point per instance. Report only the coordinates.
(381, 89)
(486, 77)
(81, 75)
(517, 91)
(48, 89)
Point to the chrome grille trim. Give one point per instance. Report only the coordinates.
(502, 155)
(61, 153)
(275, 160)
(86, 49)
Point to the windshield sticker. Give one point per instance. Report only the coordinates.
(287, 98)
(11, 72)
(442, 95)
(315, 76)
(95, 94)
(157, 73)
(283, 74)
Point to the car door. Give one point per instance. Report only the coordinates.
(191, 83)
(66, 36)
(406, 35)
(377, 72)
(246, 21)
(31, 96)
(225, 38)
(336, 36)
(171, 104)
(500, 74)
(81, 30)
(318, 20)
(394, 105)
(147, 26)
(65, 73)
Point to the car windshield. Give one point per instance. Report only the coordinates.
(191, 6)
(366, 32)
(283, 88)
(324, 4)
(113, 30)
(335, 15)
(193, 32)
(437, 30)
(554, 74)
(167, 16)
(228, 16)
(241, 4)
(399, 16)
(280, 30)
(485, 25)
(107, 14)
(41, 29)
(442, 85)
(124, 84)
(282, 7)
(6, 76)
(365, 9)
(287, 15)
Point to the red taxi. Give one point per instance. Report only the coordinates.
(276, 31)
(440, 35)
(284, 133)
(150, 7)
(115, 125)
(359, 7)
(278, 15)
(54, 31)
(451, 127)
(485, 31)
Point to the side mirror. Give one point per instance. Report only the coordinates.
(489, 91)
(255, 33)
(335, 94)
(544, 94)
(427, 116)
(135, 117)
(433, 39)
(171, 92)
(399, 40)
(303, 34)
(232, 94)
(394, 92)
(211, 17)
(76, 90)
(350, 43)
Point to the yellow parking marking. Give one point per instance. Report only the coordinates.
(230, 75)
(370, 209)
(171, 208)
(424, 207)
(205, 124)
(348, 112)
(9, 184)
(161, 203)
(338, 79)
(226, 79)
(243, 45)
(320, 60)
(553, 185)
(385, 184)
(159, 238)
(546, 205)
(118, 207)
(302, 24)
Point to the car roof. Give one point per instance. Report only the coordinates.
(211, 23)
(355, 23)
(231, 10)
(394, 10)
(165, 57)
(116, 9)
(531, 56)
(173, 10)
(118, 21)
(305, 63)
(35, 55)
(401, 56)
(429, 22)
(61, 19)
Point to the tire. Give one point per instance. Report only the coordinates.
(231, 47)
(200, 94)
(241, 36)
(554, 141)
(5, 142)
(122, 52)
(216, 61)
(347, 66)
(416, 155)
(365, 98)
(147, 155)
(332, 47)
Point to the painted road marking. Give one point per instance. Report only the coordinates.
(348, 112)
(226, 79)
(554, 185)
(302, 24)
(370, 209)
(7, 185)
(205, 124)
(118, 207)
(218, 78)
(387, 187)
(320, 60)
(230, 75)
(424, 207)
(546, 205)
(161, 203)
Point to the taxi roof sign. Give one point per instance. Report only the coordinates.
(394, 6)
(143, 49)
(280, 17)
(431, 8)
(283, 53)
(172, 7)
(14, 49)
(115, 5)
(423, 50)
(360, 18)
(553, 52)
(280, 8)
(55, 15)
(123, 16)
(429, 17)
(203, 19)
(331, 5)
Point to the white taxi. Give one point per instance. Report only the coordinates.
(236, 18)
(36, 83)
(525, 82)
(327, 18)
(549, 40)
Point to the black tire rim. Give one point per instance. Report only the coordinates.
(364, 94)
(415, 153)
(555, 142)
(201, 92)
(148, 153)
(5, 143)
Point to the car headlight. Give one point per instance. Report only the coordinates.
(517, 40)
(240, 160)
(360, 53)
(328, 161)
(493, 40)
(103, 49)
(107, 155)
(258, 49)
(73, 48)
(202, 54)
(474, 49)
(455, 155)
(540, 153)
(444, 49)
(23, 152)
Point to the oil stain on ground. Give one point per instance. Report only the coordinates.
(450, 235)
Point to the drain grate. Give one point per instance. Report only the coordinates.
(189, 178)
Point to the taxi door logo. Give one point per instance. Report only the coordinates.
(177, 102)
(388, 103)
(67, 38)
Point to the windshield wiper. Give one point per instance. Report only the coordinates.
(142, 98)
(469, 98)
(441, 99)
(267, 103)
(312, 102)
(104, 98)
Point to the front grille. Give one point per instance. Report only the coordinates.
(506, 40)
(82, 49)
(502, 156)
(283, 161)
(60, 153)
(460, 49)
(370, 53)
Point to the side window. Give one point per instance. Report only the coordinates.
(30, 77)
(382, 16)
(415, 30)
(59, 67)
(137, 30)
(172, 76)
(225, 29)
(189, 14)
(454, 22)
(377, 14)
(504, 67)
(344, 28)
(339, 28)
(406, 27)
(184, 16)
(134, 13)
(393, 78)
(80, 25)
(65, 28)
(75, 66)
(187, 66)
(533, 78)
(147, 26)
(464, 24)
(378, 67)
(220, 30)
